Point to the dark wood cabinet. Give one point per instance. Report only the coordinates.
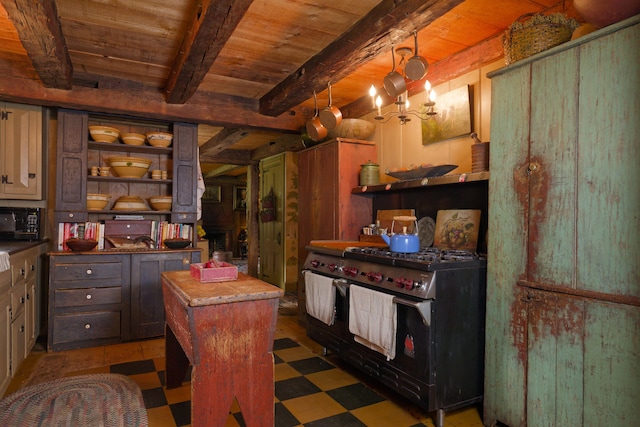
(327, 209)
(88, 300)
(105, 298)
(147, 307)
(76, 154)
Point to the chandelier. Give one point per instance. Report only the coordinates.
(395, 84)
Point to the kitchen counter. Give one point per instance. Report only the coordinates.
(15, 246)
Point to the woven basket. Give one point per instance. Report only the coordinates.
(537, 34)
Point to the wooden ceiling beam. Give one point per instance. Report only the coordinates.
(40, 32)
(223, 140)
(390, 22)
(212, 109)
(211, 27)
(230, 157)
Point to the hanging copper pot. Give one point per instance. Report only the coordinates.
(394, 82)
(416, 67)
(315, 129)
(331, 116)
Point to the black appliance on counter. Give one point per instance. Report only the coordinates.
(20, 223)
(440, 297)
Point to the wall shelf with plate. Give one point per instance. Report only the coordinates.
(421, 182)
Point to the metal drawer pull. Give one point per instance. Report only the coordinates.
(88, 296)
(423, 307)
(87, 326)
(89, 271)
(21, 300)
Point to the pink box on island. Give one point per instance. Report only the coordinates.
(214, 271)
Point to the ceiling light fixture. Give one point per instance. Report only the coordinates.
(395, 85)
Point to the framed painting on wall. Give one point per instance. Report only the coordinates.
(239, 197)
(211, 194)
(452, 118)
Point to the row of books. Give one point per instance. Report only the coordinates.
(160, 231)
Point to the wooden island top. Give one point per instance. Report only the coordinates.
(196, 294)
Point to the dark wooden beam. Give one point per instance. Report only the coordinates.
(211, 27)
(389, 22)
(442, 71)
(231, 157)
(213, 109)
(41, 35)
(287, 142)
(223, 140)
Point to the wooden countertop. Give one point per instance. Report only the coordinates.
(196, 293)
(343, 244)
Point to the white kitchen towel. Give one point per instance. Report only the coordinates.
(200, 189)
(373, 319)
(4, 261)
(320, 296)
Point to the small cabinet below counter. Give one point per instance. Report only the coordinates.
(110, 297)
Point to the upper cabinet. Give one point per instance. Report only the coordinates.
(20, 151)
(78, 154)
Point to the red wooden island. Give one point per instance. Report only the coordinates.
(225, 330)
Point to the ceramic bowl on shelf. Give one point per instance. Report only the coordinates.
(97, 201)
(130, 203)
(159, 139)
(104, 133)
(133, 138)
(79, 245)
(129, 167)
(161, 203)
(177, 243)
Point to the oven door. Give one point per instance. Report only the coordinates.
(333, 337)
(412, 372)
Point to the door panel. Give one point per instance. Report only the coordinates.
(271, 233)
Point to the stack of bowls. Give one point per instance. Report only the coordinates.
(104, 133)
(159, 139)
(161, 203)
(130, 203)
(133, 138)
(96, 201)
(129, 167)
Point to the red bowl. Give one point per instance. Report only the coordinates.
(80, 245)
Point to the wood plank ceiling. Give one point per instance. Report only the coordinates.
(244, 70)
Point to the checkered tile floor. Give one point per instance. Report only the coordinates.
(309, 391)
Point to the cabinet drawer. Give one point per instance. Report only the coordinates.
(87, 297)
(86, 326)
(79, 275)
(132, 229)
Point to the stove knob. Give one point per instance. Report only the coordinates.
(400, 282)
(409, 284)
(315, 263)
(374, 277)
(332, 267)
(351, 271)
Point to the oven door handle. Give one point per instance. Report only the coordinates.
(423, 307)
(341, 285)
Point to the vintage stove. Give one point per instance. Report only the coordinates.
(440, 297)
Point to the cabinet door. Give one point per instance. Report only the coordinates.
(5, 342)
(271, 232)
(147, 304)
(71, 167)
(18, 341)
(185, 156)
(31, 322)
(21, 149)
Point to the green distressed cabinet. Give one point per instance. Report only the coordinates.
(563, 283)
